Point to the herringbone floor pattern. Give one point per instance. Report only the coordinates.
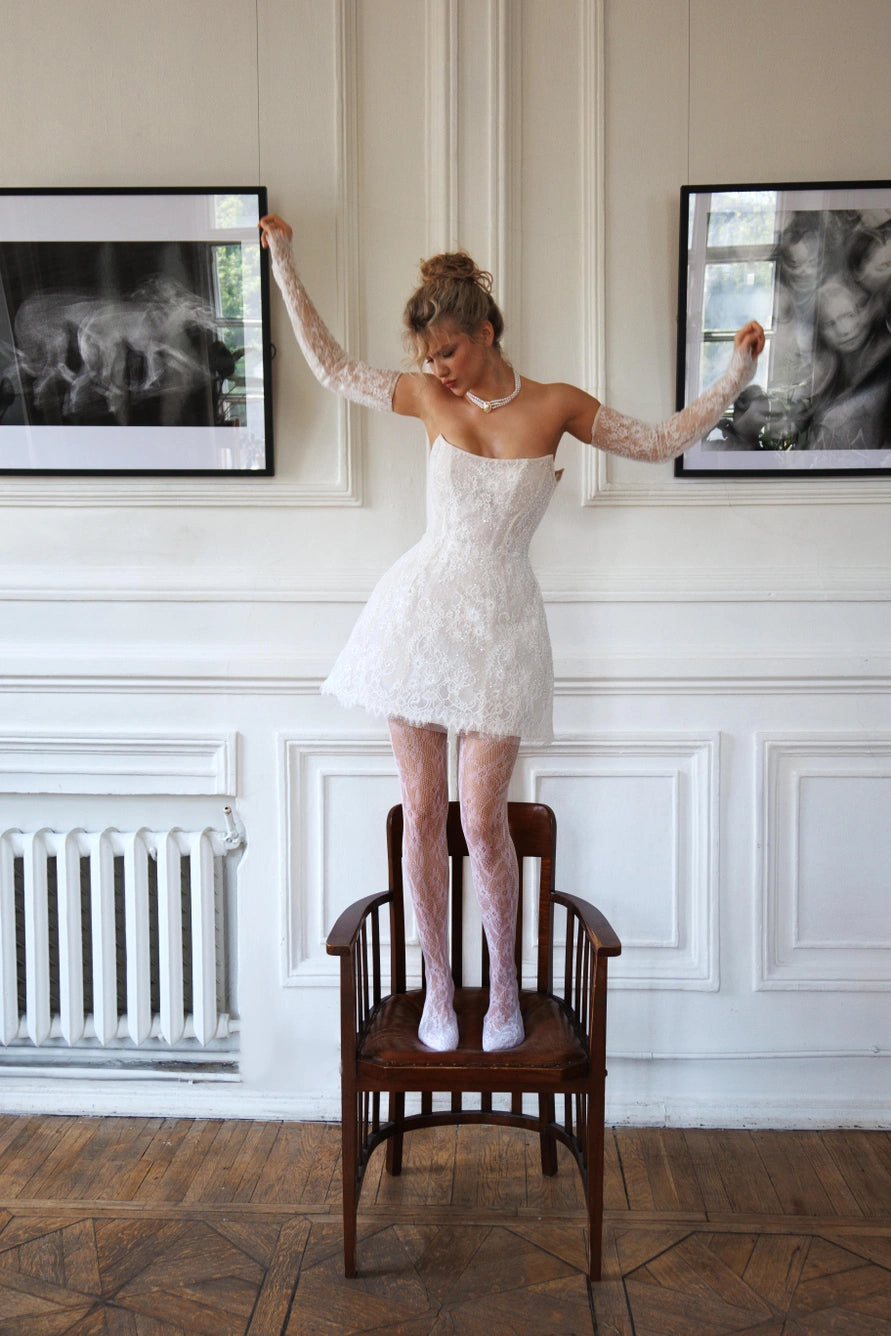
(147, 1227)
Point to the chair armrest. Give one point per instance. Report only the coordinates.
(581, 982)
(600, 931)
(342, 937)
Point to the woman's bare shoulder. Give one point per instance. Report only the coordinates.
(416, 392)
(555, 391)
(571, 408)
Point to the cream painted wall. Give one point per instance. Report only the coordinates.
(723, 762)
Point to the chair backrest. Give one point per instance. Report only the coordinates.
(533, 828)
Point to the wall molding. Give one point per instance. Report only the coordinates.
(685, 956)
(592, 54)
(351, 419)
(441, 159)
(447, 190)
(659, 487)
(228, 670)
(229, 1097)
(684, 584)
(788, 955)
(598, 488)
(649, 484)
(505, 147)
(751, 1055)
(307, 765)
(687, 766)
(118, 763)
(626, 584)
(346, 488)
(179, 493)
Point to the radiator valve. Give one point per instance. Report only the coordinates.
(236, 836)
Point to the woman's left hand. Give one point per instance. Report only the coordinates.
(750, 338)
(272, 223)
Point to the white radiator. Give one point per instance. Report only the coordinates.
(115, 940)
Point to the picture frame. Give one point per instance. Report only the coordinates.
(812, 263)
(134, 332)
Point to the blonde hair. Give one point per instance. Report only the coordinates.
(452, 288)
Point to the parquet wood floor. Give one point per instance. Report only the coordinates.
(153, 1227)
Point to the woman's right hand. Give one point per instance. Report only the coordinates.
(273, 224)
(750, 339)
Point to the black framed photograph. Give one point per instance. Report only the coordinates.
(812, 263)
(134, 332)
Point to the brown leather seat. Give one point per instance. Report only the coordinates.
(551, 1045)
(563, 1053)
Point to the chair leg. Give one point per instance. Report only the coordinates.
(349, 1165)
(594, 1181)
(547, 1140)
(394, 1143)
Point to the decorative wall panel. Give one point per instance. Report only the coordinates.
(334, 801)
(824, 892)
(110, 763)
(637, 834)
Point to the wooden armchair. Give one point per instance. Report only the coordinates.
(561, 1061)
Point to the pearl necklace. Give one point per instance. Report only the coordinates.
(487, 405)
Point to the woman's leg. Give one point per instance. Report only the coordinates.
(484, 770)
(422, 760)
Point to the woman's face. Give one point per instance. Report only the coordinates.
(875, 271)
(843, 322)
(801, 262)
(454, 358)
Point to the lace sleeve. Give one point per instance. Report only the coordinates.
(326, 359)
(622, 435)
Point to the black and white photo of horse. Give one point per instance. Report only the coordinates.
(115, 334)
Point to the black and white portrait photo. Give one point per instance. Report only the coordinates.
(813, 265)
(139, 346)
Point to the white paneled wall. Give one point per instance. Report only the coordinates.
(336, 795)
(722, 768)
(638, 834)
(826, 849)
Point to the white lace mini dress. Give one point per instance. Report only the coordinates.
(454, 634)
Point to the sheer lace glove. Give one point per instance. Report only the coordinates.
(622, 435)
(324, 355)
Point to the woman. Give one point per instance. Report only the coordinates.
(454, 635)
(869, 259)
(851, 406)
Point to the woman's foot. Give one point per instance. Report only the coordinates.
(439, 1027)
(501, 1031)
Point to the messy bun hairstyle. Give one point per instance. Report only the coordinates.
(452, 288)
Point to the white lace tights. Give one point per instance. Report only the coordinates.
(485, 765)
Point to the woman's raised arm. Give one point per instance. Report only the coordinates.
(621, 435)
(326, 359)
